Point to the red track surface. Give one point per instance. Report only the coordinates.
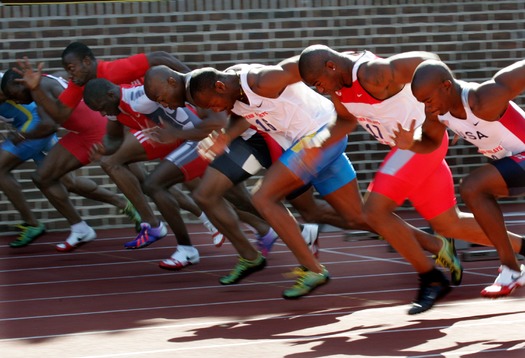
(104, 301)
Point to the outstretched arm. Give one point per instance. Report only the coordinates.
(50, 103)
(163, 58)
(490, 99)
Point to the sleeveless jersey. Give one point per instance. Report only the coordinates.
(297, 112)
(494, 139)
(380, 117)
(139, 112)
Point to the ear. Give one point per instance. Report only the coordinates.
(86, 61)
(330, 65)
(447, 84)
(220, 87)
(172, 82)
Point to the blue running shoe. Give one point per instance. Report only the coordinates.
(147, 236)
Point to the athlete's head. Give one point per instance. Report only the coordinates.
(165, 86)
(321, 67)
(433, 85)
(102, 96)
(211, 89)
(15, 90)
(79, 62)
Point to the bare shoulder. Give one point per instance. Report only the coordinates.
(270, 81)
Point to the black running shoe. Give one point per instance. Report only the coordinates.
(429, 293)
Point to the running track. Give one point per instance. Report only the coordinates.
(104, 301)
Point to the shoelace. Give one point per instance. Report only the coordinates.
(144, 236)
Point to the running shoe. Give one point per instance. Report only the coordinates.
(147, 236)
(429, 293)
(217, 237)
(180, 259)
(506, 282)
(132, 214)
(28, 234)
(242, 269)
(75, 240)
(265, 242)
(310, 234)
(448, 258)
(306, 282)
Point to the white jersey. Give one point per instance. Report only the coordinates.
(494, 139)
(380, 117)
(297, 112)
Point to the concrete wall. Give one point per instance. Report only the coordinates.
(476, 38)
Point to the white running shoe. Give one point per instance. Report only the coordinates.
(218, 238)
(75, 240)
(310, 234)
(180, 259)
(505, 283)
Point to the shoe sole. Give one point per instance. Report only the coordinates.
(32, 240)
(495, 295)
(70, 248)
(442, 294)
(175, 268)
(146, 244)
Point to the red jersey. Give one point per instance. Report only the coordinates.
(121, 71)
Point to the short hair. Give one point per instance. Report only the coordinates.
(79, 50)
(312, 60)
(8, 78)
(97, 89)
(203, 79)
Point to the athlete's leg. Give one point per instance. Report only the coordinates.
(117, 168)
(314, 210)
(12, 189)
(209, 195)
(156, 186)
(58, 162)
(279, 181)
(480, 190)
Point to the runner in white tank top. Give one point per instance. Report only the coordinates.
(485, 116)
(494, 139)
(273, 99)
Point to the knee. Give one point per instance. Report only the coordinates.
(260, 202)
(149, 187)
(310, 216)
(37, 180)
(469, 189)
(371, 216)
(108, 164)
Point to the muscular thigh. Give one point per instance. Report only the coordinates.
(130, 151)
(8, 161)
(165, 175)
(58, 162)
